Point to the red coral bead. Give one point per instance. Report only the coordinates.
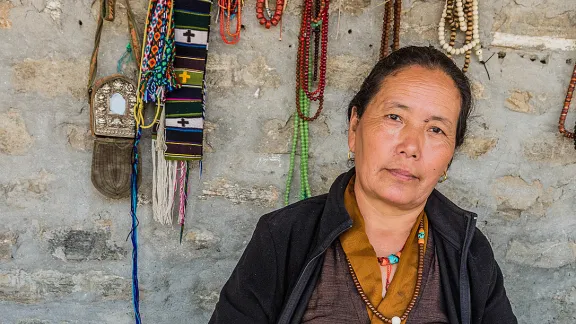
(262, 21)
(268, 25)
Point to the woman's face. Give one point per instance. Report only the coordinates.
(406, 137)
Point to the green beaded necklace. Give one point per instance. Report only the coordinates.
(300, 130)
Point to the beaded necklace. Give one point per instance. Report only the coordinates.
(566, 107)
(311, 67)
(388, 262)
(463, 15)
(391, 11)
(230, 9)
(396, 319)
(264, 14)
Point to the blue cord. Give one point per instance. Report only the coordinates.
(134, 232)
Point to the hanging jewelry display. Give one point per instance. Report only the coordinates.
(112, 100)
(461, 15)
(566, 107)
(310, 70)
(230, 10)
(392, 14)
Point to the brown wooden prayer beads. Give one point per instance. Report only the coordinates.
(566, 107)
(392, 14)
(416, 289)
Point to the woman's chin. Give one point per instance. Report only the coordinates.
(398, 197)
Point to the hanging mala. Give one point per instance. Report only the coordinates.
(460, 15)
(264, 14)
(566, 107)
(310, 70)
(230, 10)
(420, 271)
(392, 15)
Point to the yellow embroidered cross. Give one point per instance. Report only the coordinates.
(185, 76)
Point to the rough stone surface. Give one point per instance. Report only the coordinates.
(64, 257)
(344, 71)
(537, 18)
(277, 136)
(51, 78)
(79, 137)
(7, 245)
(520, 101)
(5, 21)
(352, 7)
(225, 71)
(201, 239)
(24, 287)
(78, 245)
(475, 146)
(236, 194)
(542, 255)
(17, 192)
(14, 138)
(478, 90)
(513, 195)
(549, 148)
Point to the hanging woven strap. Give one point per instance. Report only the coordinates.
(107, 12)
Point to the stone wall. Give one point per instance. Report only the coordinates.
(63, 253)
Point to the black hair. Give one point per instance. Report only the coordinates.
(427, 57)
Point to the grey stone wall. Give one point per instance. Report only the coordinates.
(63, 253)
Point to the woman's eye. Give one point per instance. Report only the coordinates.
(394, 117)
(437, 130)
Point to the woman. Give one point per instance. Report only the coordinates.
(383, 245)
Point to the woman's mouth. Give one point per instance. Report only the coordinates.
(402, 174)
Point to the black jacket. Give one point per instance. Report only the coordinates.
(277, 273)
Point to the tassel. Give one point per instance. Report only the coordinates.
(183, 195)
(164, 173)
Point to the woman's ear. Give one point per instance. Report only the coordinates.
(354, 120)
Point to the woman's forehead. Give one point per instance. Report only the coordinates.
(418, 87)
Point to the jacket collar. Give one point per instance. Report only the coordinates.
(447, 219)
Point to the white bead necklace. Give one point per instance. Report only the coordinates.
(462, 20)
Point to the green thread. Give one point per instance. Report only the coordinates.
(126, 56)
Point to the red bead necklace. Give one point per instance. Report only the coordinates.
(228, 10)
(270, 21)
(566, 107)
(312, 24)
